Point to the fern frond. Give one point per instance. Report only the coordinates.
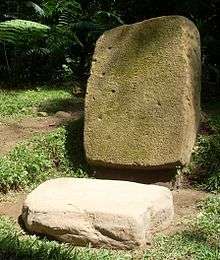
(15, 31)
(36, 8)
(70, 6)
(38, 52)
(87, 26)
(111, 16)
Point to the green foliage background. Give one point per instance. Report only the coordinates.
(64, 51)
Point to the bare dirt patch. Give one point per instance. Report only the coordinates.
(185, 208)
(11, 205)
(13, 132)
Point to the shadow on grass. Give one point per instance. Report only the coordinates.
(48, 86)
(200, 238)
(67, 105)
(74, 144)
(187, 244)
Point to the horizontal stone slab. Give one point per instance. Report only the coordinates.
(103, 213)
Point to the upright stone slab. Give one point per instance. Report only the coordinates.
(142, 102)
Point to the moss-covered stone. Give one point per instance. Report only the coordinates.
(142, 102)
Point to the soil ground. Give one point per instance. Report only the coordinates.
(185, 208)
(13, 132)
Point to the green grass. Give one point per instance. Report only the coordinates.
(45, 156)
(14, 245)
(201, 240)
(23, 103)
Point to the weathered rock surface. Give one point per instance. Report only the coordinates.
(112, 214)
(142, 102)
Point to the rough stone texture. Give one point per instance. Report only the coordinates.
(142, 102)
(112, 214)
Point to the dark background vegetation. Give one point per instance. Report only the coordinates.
(63, 52)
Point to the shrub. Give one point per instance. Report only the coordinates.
(205, 165)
